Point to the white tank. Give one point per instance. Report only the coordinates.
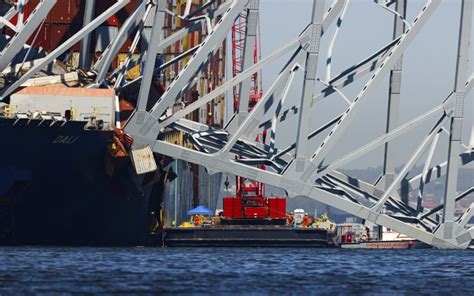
(298, 216)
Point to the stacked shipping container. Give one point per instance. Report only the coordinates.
(66, 19)
(201, 188)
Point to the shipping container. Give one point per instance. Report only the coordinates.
(31, 6)
(60, 33)
(67, 12)
(43, 37)
(120, 17)
(132, 73)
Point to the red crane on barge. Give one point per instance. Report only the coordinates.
(250, 204)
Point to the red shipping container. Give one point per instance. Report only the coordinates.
(124, 13)
(42, 39)
(31, 6)
(67, 12)
(100, 7)
(60, 33)
(128, 44)
(120, 17)
(256, 212)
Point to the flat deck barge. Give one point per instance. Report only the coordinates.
(248, 236)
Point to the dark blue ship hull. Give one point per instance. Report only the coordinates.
(59, 185)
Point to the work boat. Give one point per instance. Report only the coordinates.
(357, 236)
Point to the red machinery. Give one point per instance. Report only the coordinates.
(254, 207)
(238, 44)
(250, 201)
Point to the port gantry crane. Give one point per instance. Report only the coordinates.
(299, 168)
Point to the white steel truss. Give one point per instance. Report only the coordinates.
(300, 169)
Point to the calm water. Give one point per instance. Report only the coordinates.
(150, 271)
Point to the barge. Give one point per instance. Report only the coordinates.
(248, 236)
(256, 229)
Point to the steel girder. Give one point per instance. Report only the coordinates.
(17, 41)
(215, 149)
(298, 169)
(85, 56)
(394, 98)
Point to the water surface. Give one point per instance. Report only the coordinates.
(155, 271)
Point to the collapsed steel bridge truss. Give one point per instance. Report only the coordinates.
(300, 169)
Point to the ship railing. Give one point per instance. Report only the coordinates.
(8, 111)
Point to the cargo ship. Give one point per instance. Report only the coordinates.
(67, 176)
(62, 181)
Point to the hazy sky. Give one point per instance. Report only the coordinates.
(428, 76)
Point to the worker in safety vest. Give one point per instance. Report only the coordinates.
(198, 219)
(305, 222)
(289, 219)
